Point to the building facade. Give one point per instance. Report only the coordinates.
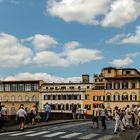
(14, 93)
(62, 96)
(122, 87)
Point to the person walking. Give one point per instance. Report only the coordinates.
(21, 114)
(128, 117)
(95, 116)
(118, 121)
(74, 111)
(103, 117)
(1, 120)
(33, 114)
(47, 109)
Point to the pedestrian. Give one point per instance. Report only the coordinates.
(78, 111)
(85, 113)
(118, 123)
(1, 120)
(47, 109)
(33, 114)
(74, 111)
(103, 117)
(128, 117)
(21, 115)
(95, 116)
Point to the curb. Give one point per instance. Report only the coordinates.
(45, 124)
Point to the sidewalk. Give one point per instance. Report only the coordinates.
(29, 126)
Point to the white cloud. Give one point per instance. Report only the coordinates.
(131, 38)
(116, 39)
(122, 62)
(133, 55)
(12, 52)
(41, 42)
(135, 39)
(71, 55)
(50, 59)
(115, 13)
(42, 76)
(82, 11)
(122, 12)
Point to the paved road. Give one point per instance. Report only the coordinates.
(69, 131)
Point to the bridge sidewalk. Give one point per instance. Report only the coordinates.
(40, 124)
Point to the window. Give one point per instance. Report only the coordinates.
(27, 87)
(20, 87)
(95, 98)
(88, 106)
(12, 98)
(109, 86)
(78, 97)
(128, 72)
(26, 98)
(20, 98)
(72, 88)
(109, 71)
(7, 87)
(125, 85)
(108, 97)
(116, 85)
(45, 97)
(54, 97)
(67, 106)
(13, 87)
(34, 87)
(116, 97)
(33, 98)
(133, 97)
(6, 98)
(125, 97)
(63, 88)
(1, 87)
(87, 97)
(79, 87)
(101, 98)
(133, 85)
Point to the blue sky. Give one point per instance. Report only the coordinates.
(59, 40)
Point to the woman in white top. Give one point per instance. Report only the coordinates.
(21, 114)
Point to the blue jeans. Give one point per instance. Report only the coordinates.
(47, 115)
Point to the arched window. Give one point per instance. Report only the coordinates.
(125, 97)
(6, 98)
(20, 98)
(67, 106)
(26, 98)
(33, 98)
(108, 97)
(116, 97)
(133, 96)
(12, 98)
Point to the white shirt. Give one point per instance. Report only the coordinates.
(95, 112)
(21, 113)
